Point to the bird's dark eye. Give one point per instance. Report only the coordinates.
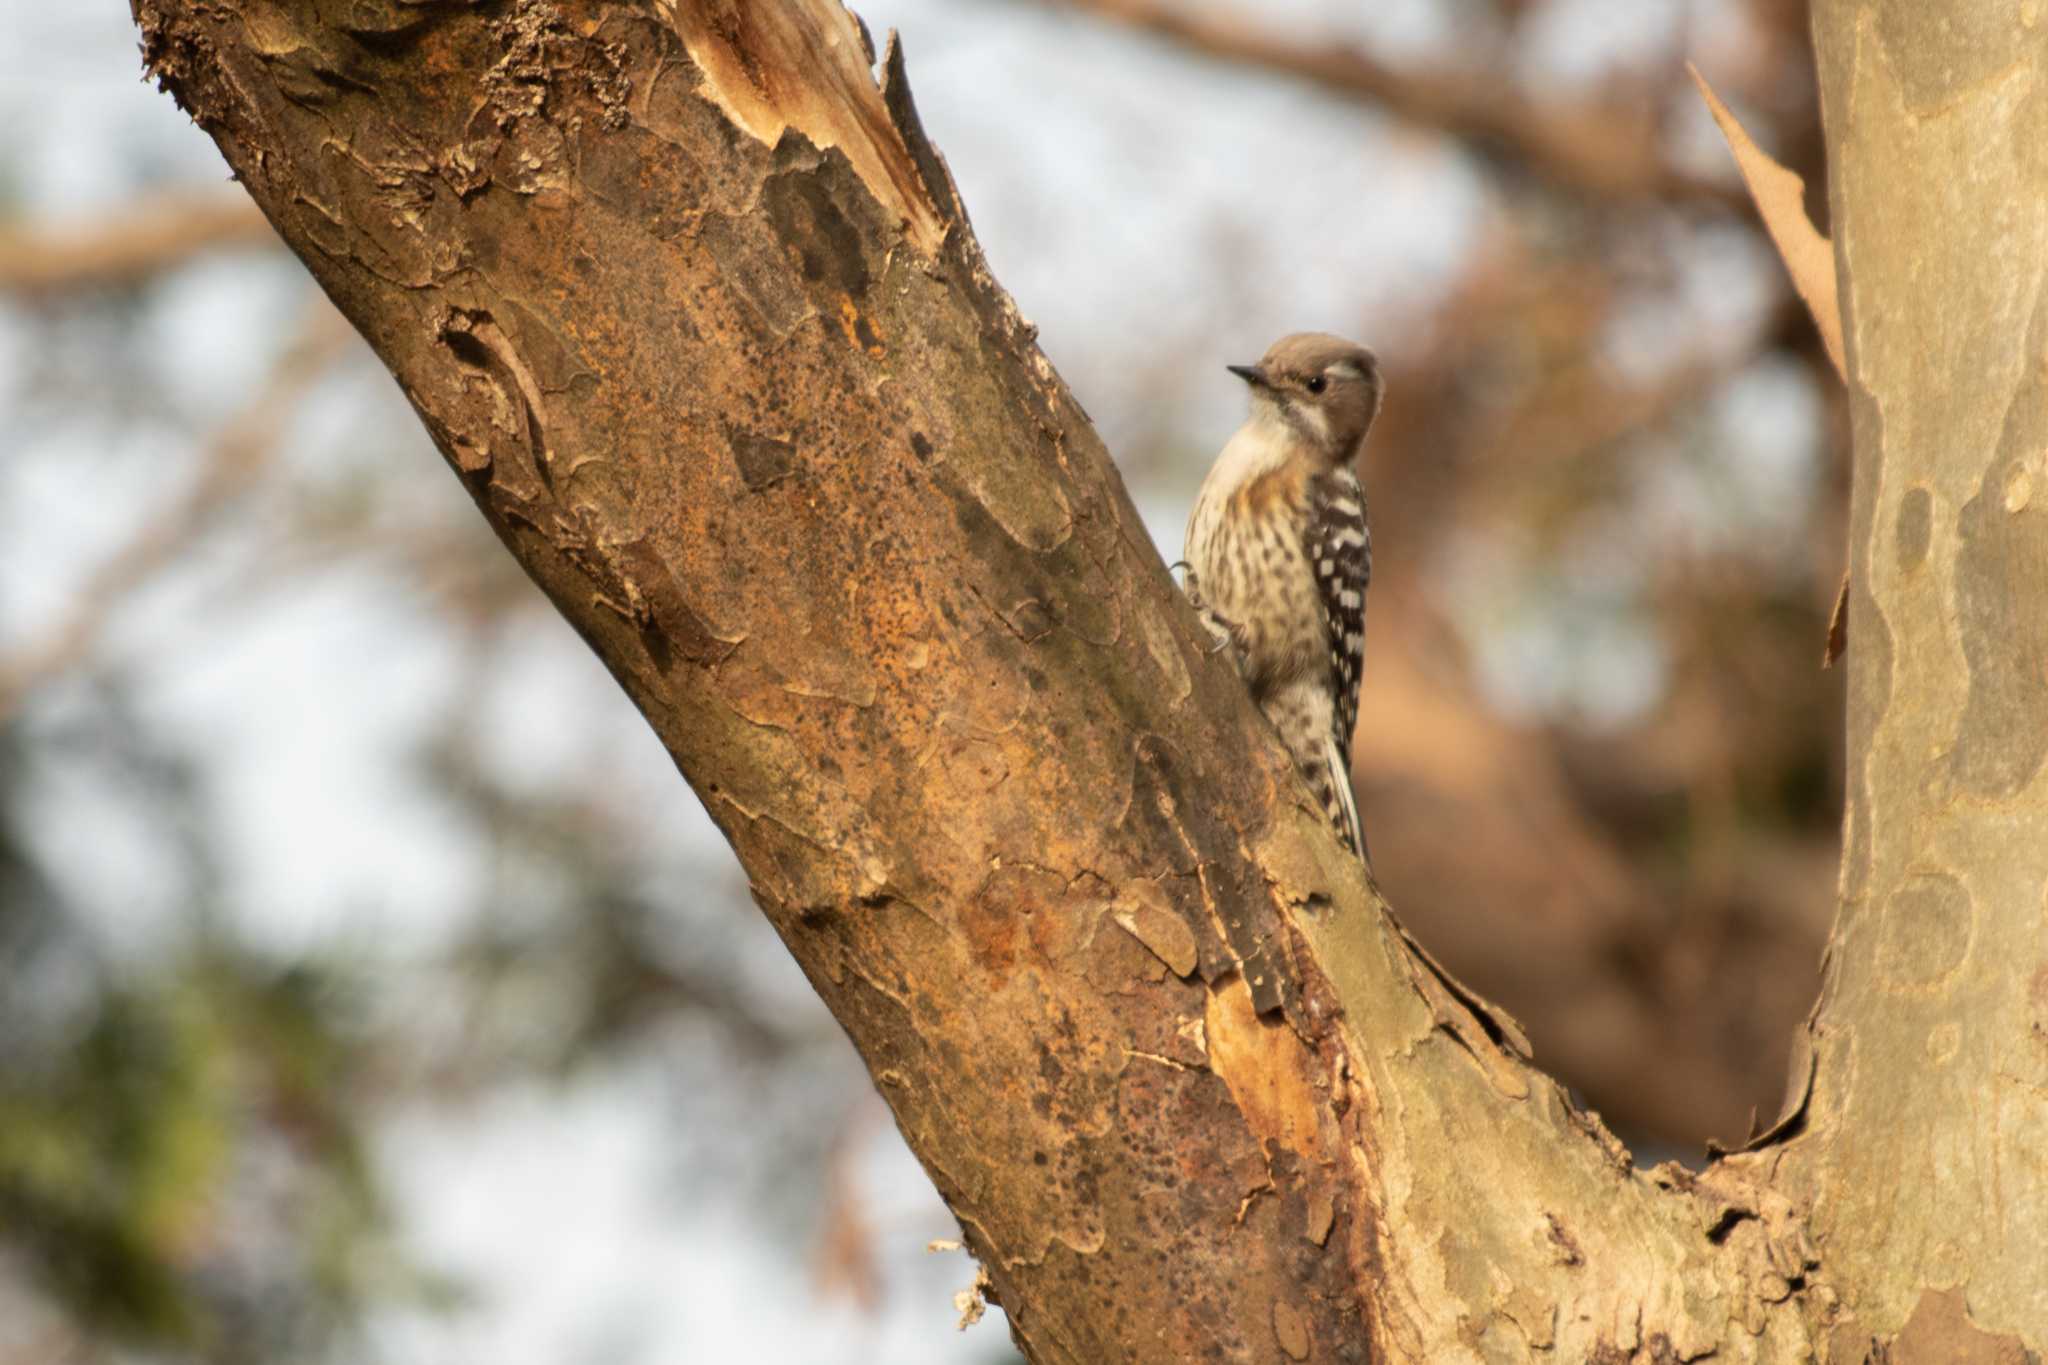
(1317, 384)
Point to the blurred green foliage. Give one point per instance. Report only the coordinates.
(183, 1162)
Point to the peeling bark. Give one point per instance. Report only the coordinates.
(691, 307)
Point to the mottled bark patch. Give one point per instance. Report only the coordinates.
(1925, 932)
(1936, 50)
(1941, 1330)
(820, 234)
(763, 461)
(2001, 568)
(1271, 1073)
(1914, 529)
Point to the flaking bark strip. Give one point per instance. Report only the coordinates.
(931, 166)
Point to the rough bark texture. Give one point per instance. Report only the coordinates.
(692, 309)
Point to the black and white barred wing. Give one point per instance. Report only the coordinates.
(1339, 546)
(1340, 552)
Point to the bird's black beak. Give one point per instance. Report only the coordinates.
(1251, 374)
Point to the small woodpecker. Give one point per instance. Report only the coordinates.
(1278, 553)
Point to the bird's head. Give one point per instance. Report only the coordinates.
(1325, 388)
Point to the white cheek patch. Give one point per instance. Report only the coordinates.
(1317, 420)
(1269, 416)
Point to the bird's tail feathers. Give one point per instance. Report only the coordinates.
(1344, 805)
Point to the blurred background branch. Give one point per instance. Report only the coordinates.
(128, 246)
(234, 458)
(1579, 150)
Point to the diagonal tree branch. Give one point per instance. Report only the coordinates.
(692, 309)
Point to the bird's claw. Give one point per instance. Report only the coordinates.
(1225, 631)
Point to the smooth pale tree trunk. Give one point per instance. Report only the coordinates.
(1925, 1167)
(692, 309)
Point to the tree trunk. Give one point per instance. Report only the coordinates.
(692, 308)
(1927, 1165)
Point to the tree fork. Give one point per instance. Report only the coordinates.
(692, 308)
